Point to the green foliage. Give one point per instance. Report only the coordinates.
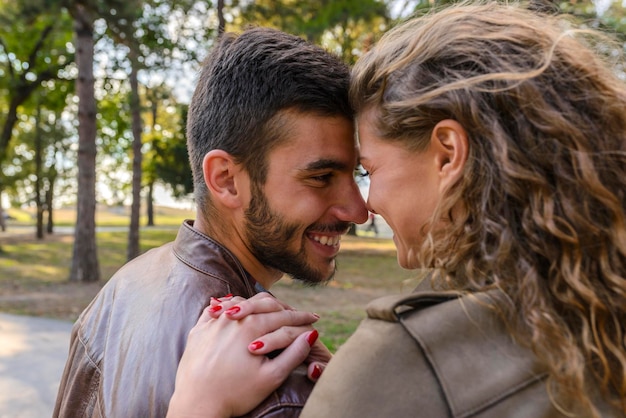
(114, 141)
(612, 19)
(35, 65)
(36, 45)
(35, 49)
(346, 27)
(171, 159)
(166, 159)
(143, 38)
(54, 149)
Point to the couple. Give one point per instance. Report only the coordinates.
(495, 141)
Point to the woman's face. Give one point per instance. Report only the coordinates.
(404, 188)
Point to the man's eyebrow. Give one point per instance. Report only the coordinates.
(324, 164)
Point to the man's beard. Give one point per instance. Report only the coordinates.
(269, 236)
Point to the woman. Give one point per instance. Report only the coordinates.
(495, 141)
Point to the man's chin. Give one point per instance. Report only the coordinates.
(314, 279)
(311, 282)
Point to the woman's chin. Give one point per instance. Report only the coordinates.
(408, 261)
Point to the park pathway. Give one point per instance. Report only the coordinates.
(32, 356)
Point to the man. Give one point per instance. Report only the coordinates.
(270, 140)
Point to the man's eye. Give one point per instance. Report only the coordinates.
(361, 172)
(324, 178)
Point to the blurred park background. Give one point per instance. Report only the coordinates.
(34, 272)
(93, 101)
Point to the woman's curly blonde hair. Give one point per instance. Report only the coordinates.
(540, 212)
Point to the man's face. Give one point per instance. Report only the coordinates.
(294, 221)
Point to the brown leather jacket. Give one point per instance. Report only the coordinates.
(126, 345)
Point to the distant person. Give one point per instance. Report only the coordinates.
(495, 141)
(371, 226)
(271, 144)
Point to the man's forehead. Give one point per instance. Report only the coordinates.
(315, 142)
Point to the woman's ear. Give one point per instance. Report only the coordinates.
(220, 175)
(449, 140)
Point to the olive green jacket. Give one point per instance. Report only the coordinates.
(432, 354)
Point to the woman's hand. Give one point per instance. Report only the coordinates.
(219, 377)
(237, 308)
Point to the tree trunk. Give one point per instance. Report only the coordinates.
(52, 178)
(38, 171)
(150, 204)
(5, 137)
(3, 224)
(85, 266)
(221, 20)
(150, 196)
(49, 194)
(135, 109)
(9, 123)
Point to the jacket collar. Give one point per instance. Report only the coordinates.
(203, 253)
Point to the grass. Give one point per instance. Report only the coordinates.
(336, 327)
(33, 276)
(105, 216)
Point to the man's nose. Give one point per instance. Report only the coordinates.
(351, 207)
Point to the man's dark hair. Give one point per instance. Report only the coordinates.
(246, 84)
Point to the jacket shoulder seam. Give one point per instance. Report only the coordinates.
(95, 385)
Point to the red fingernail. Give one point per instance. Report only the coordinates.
(232, 311)
(312, 337)
(317, 372)
(215, 308)
(230, 295)
(256, 345)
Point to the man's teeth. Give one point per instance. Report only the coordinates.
(326, 240)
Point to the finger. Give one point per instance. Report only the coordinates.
(266, 323)
(217, 301)
(223, 304)
(280, 367)
(277, 340)
(259, 303)
(314, 371)
(218, 306)
(203, 321)
(205, 316)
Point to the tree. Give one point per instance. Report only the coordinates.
(122, 24)
(345, 27)
(166, 159)
(171, 160)
(35, 163)
(85, 266)
(114, 141)
(143, 28)
(33, 38)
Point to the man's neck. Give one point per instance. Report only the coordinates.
(231, 240)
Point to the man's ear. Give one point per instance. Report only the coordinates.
(221, 178)
(451, 146)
